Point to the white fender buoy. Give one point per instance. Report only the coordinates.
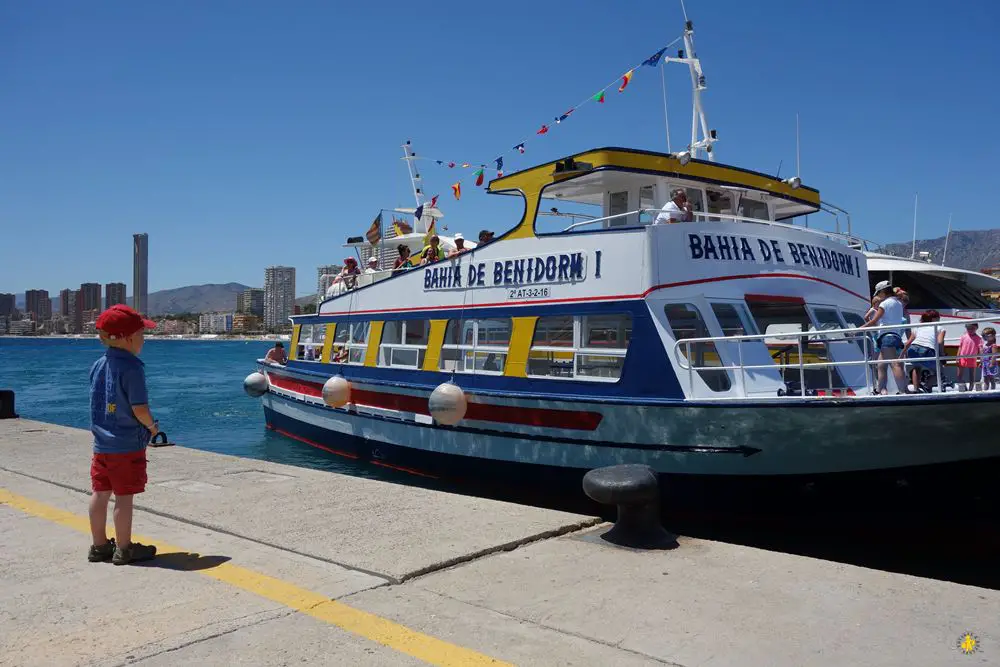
(255, 385)
(336, 391)
(447, 403)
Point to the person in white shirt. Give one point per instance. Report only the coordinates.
(889, 341)
(924, 343)
(678, 209)
(372, 265)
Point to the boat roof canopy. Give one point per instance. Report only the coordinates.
(974, 279)
(586, 178)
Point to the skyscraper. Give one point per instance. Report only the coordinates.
(90, 293)
(329, 270)
(251, 302)
(64, 305)
(114, 293)
(75, 311)
(6, 304)
(140, 272)
(279, 296)
(37, 305)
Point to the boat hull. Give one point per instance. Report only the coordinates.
(746, 440)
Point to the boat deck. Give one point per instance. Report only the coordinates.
(270, 564)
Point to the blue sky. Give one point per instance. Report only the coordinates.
(240, 134)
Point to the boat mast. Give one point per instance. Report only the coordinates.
(689, 57)
(409, 157)
(946, 237)
(913, 249)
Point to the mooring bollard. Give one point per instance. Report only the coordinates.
(636, 492)
(7, 404)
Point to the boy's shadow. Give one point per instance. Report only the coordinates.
(184, 561)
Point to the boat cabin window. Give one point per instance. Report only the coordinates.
(927, 291)
(585, 347)
(476, 346)
(685, 322)
(404, 343)
(310, 346)
(350, 342)
(753, 208)
(777, 315)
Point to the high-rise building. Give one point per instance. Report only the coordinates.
(279, 296)
(324, 274)
(114, 293)
(140, 272)
(37, 305)
(246, 323)
(75, 312)
(90, 293)
(215, 323)
(6, 305)
(64, 309)
(251, 302)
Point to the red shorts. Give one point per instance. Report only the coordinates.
(125, 474)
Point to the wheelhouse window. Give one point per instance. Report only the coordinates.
(753, 208)
(686, 322)
(586, 347)
(476, 345)
(404, 343)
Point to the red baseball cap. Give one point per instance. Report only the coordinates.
(120, 321)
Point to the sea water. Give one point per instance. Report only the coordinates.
(195, 392)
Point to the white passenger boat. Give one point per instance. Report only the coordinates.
(721, 346)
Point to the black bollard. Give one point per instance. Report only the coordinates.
(634, 489)
(7, 404)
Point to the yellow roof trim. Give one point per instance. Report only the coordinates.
(531, 182)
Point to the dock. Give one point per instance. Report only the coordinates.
(268, 564)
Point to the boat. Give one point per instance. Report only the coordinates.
(957, 294)
(720, 347)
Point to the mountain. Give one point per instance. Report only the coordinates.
(194, 299)
(973, 250)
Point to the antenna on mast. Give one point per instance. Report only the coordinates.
(913, 250)
(798, 163)
(689, 57)
(409, 156)
(947, 236)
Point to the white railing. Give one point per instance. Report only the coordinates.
(702, 216)
(816, 337)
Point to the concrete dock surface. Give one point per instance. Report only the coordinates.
(267, 564)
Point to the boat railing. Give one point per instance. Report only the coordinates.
(800, 367)
(701, 216)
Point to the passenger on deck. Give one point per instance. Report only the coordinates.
(348, 276)
(339, 354)
(890, 341)
(459, 246)
(432, 253)
(924, 343)
(404, 261)
(485, 236)
(276, 355)
(678, 209)
(372, 265)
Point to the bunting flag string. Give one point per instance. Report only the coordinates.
(599, 97)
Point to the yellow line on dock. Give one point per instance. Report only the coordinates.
(370, 626)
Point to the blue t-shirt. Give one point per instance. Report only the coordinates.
(117, 382)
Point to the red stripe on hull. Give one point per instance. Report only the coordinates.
(313, 444)
(507, 414)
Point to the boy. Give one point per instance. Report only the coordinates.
(122, 427)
